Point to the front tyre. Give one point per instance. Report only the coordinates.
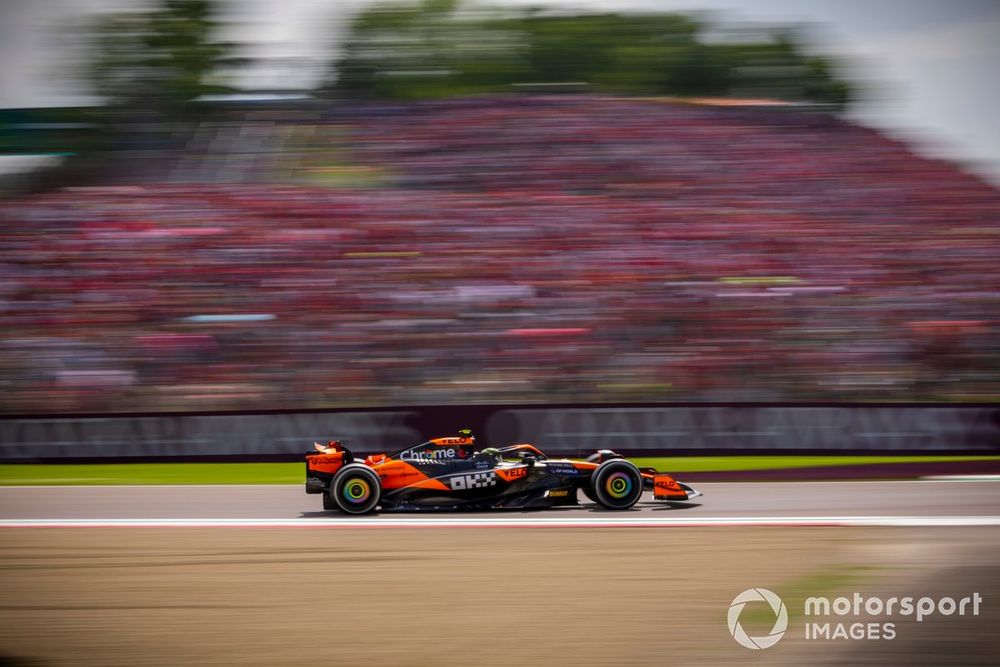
(616, 485)
(355, 489)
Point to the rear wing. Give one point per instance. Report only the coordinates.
(333, 447)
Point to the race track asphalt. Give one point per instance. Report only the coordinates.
(735, 500)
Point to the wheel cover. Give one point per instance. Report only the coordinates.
(618, 485)
(356, 490)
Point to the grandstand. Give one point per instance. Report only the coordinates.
(570, 248)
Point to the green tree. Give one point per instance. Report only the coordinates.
(161, 60)
(438, 47)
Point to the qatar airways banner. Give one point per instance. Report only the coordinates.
(201, 435)
(556, 429)
(875, 428)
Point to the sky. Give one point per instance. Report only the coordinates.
(925, 65)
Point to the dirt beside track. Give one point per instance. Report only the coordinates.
(436, 596)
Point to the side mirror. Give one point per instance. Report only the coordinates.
(528, 459)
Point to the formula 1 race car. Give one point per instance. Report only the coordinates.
(448, 473)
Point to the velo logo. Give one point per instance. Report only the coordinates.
(780, 618)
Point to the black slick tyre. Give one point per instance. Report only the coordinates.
(355, 489)
(616, 485)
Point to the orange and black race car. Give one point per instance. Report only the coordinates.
(448, 473)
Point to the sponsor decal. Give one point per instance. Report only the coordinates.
(512, 474)
(557, 468)
(429, 454)
(475, 480)
(398, 473)
(325, 458)
(453, 441)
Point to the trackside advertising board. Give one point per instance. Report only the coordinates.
(556, 429)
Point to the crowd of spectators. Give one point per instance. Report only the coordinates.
(549, 249)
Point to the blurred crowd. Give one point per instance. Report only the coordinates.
(524, 249)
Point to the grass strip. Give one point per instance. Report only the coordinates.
(90, 474)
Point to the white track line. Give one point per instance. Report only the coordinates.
(297, 485)
(962, 478)
(501, 522)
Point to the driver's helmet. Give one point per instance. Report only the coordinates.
(492, 453)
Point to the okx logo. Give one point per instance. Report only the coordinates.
(476, 480)
(780, 618)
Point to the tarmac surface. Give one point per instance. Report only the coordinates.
(122, 576)
(728, 500)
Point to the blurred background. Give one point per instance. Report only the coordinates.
(592, 224)
(246, 205)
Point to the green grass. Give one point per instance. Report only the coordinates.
(758, 618)
(84, 474)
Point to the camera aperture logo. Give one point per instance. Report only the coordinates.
(858, 617)
(780, 618)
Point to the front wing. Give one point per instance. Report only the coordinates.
(665, 487)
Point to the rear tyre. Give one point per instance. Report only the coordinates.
(616, 485)
(355, 489)
(328, 503)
